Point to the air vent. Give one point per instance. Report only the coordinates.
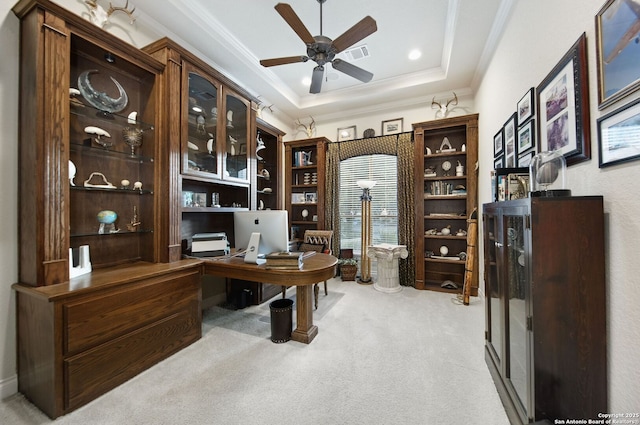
(357, 53)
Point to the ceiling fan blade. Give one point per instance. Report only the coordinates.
(294, 22)
(362, 29)
(283, 61)
(352, 70)
(316, 79)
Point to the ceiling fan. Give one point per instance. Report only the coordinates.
(322, 49)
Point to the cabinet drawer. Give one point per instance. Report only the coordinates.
(98, 370)
(94, 320)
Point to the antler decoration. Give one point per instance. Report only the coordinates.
(444, 110)
(100, 17)
(309, 129)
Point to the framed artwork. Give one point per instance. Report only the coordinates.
(524, 160)
(311, 197)
(346, 133)
(526, 106)
(510, 146)
(526, 136)
(498, 163)
(619, 135)
(563, 106)
(393, 126)
(498, 143)
(297, 198)
(617, 54)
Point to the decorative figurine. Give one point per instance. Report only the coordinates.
(134, 224)
(124, 184)
(107, 218)
(137, 186)
(99, 133)
(72, 173)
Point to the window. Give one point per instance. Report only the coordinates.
(384, 204)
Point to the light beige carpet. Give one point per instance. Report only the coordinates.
(414, 357)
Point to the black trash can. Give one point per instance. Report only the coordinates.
(281, 320)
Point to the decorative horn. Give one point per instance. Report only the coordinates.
(101, 100)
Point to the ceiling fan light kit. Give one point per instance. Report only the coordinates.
(321, 49)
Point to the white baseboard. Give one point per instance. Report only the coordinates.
(8, 387)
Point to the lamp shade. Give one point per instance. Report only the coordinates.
(366, 184)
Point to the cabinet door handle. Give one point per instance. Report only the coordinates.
(498, 245)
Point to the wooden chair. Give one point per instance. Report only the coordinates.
(320, 241)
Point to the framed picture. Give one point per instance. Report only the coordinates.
(619, 135)
(526, 106)
(617, 53)
(311, 197)
(509, 130)
(346, 133)
(526, 136)
(498, 143)
(524, 160)
(563, 106)
(498, 162)
(393, 126)
(297, 198)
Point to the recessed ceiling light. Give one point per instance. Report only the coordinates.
(415, 54)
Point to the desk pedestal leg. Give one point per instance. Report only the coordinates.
(305, 329)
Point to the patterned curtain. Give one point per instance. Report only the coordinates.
(398, 145)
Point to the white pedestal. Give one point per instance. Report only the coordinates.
(387, 258)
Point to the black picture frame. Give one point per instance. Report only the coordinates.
(510, 129)
(619, 135)
(498, 143)
(563, 106)
(617, 58)
(526, 106)
(526, 136)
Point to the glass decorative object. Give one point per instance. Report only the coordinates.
(547, 175)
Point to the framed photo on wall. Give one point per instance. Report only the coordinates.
(619, 135)
(526, 106)
(510, 146)
(526, 136)
(498, 143)
(393, 126)
(617, 52)
(346, 133)
(563, 106)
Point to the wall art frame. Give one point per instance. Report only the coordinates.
(563, 106)
(526, 136)
(498, 143)
(617, 58)
(510, 145)
(619, 135)
(346, 133)
(526, 106)
(393, 126)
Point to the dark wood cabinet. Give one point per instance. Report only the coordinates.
(210, 127)
(90, 149)
(545, 308)
(304, 183)
(446, 189)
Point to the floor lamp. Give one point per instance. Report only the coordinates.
(365, 262)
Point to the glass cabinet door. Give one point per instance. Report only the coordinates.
(493, 289)
(236, 138)
(201, 106)
(517, 292)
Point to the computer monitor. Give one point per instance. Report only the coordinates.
(261, 233)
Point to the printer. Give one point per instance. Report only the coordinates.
(210, 244)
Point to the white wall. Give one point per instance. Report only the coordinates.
(539, 33)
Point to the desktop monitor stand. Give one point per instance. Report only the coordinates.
(251, 256)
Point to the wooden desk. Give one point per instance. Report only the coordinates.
(316, 268)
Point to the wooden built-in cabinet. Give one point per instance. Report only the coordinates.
(269, 160)
(212, 144)
(79, 337)
(304, 184)
(445, 199)
(546, 309)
